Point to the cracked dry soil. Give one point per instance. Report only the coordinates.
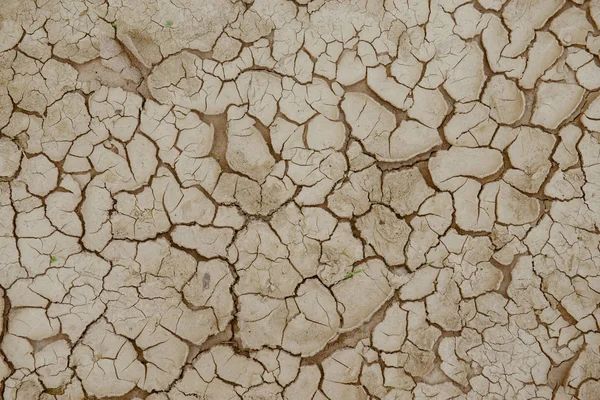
(300, 200)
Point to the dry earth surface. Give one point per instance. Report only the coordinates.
(300, 200)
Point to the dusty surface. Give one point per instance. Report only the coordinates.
(300, 200)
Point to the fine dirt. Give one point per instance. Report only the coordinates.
(300, 200)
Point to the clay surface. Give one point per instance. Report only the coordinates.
(300, 199)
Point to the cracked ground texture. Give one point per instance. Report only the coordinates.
(300, 200)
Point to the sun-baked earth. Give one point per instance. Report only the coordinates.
(300, 200)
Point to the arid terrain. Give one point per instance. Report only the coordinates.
(300, 199)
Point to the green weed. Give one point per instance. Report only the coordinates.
(351, 274)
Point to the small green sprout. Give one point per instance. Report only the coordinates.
(52, 259)
(351, 274)
(114, 25)
(169, 23)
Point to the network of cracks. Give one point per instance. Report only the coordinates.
(300, 200)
